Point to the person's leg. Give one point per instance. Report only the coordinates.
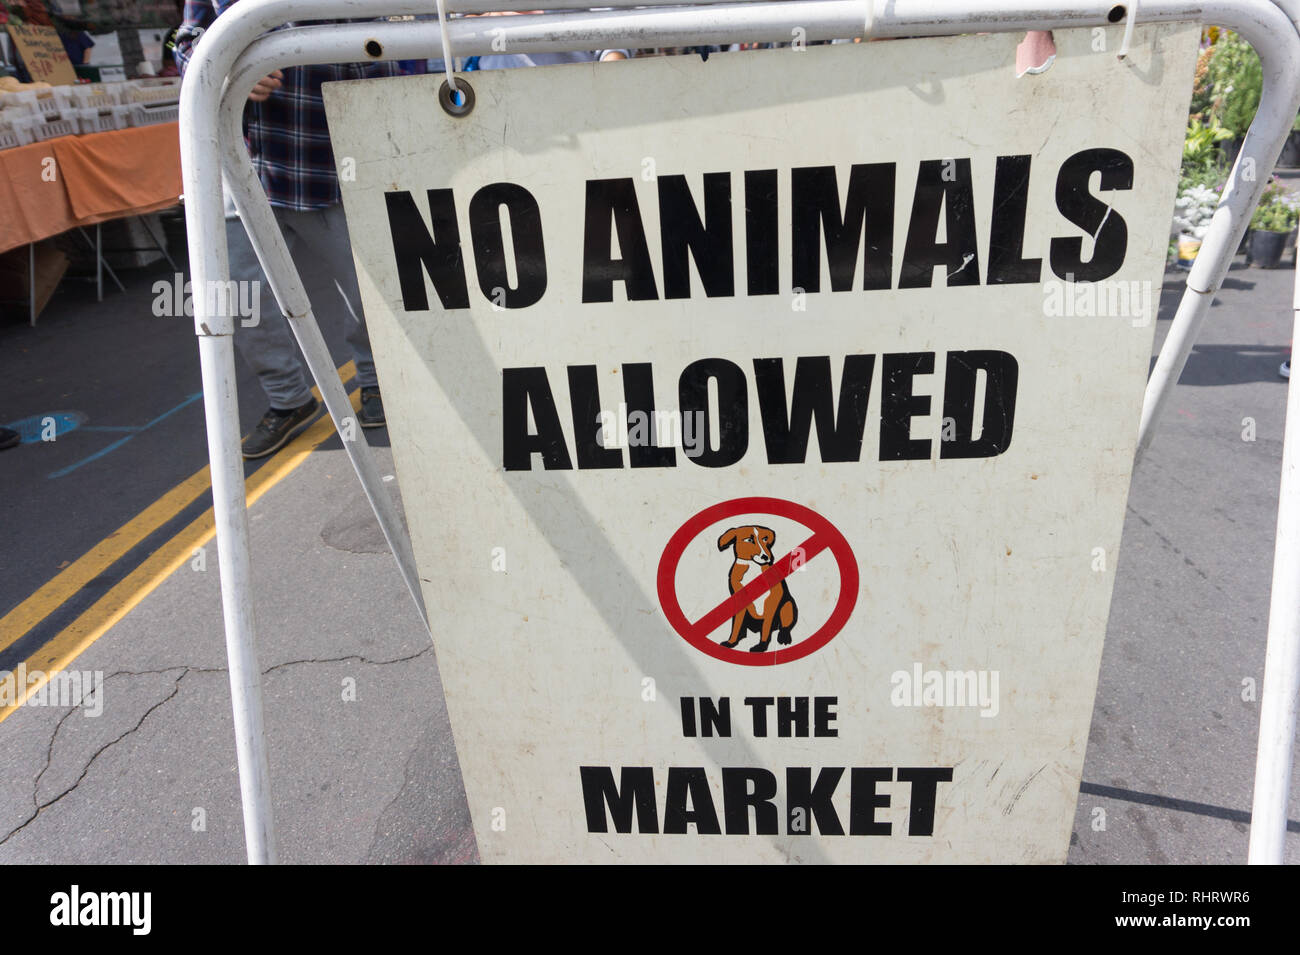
(270, 349)
(324, 235)
(269, 346)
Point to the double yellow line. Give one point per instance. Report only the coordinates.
(69, 643)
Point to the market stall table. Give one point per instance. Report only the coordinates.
(93, 178)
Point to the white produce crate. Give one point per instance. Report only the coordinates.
(48, 104)
(53, 128)
(99, 95)
(52, 102)
(22, 125)
(143, 114)
(95, 119)
(23, 100)
(155, 90)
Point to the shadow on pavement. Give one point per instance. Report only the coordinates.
(1232, 364)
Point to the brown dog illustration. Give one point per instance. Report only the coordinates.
(752, 547)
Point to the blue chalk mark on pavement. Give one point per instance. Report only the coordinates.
(30, 428)
(121, 441)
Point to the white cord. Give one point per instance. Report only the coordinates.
(447, 62)
(1128, 28)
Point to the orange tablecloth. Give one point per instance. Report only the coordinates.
(96, 177)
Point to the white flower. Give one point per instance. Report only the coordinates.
(1193, 210)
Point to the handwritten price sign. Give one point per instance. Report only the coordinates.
(43, 54)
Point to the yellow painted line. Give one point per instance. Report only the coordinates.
(54, 593)
(71, 642)
(86, 568)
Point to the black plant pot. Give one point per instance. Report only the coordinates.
(1264, 249)
(1230, 148)
(1290, 158)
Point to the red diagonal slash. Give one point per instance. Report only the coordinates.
(825, 536)
(760, 585)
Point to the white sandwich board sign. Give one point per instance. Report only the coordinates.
(764, 427)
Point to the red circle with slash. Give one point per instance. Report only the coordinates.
(825, 537)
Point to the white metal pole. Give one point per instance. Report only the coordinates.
(221, 408)
(215, 327)
(1280, 695)
(1292, 10)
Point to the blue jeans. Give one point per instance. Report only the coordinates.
(318, 242)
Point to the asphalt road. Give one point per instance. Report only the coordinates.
(123, 384)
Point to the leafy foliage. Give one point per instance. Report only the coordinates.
(1202, 94)
(1203, 162)
(1278, 210)
(1236, 78)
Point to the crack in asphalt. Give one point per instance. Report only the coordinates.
(186, 670)
(49, 757)
(353, 656)
(401, 789)
(360, 658)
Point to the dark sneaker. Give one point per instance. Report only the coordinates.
(276, 428)
(9, 438)
(372, 409)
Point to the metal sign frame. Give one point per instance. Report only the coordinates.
(240, 48)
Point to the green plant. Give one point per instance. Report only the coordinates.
(1203, 163)
(1273, 220)
(1237, 79)
(1210, 177)
(1202, 95)
(1278, 211)
(1200, 142)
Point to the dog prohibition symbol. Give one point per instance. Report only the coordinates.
(752, 549)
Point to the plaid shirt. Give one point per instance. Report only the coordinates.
(287, 134)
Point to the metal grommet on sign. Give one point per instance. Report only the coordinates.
(459, 102)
